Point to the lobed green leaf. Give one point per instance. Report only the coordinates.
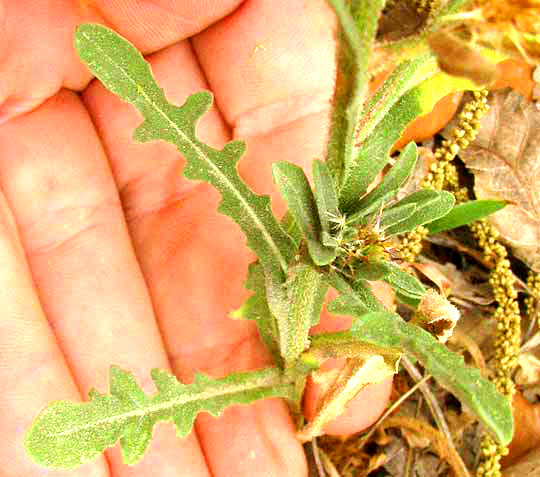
(123, 70)
(67, 435)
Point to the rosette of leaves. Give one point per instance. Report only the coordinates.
(335, 234)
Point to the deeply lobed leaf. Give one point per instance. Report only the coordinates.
(66, 434)
(123, 70)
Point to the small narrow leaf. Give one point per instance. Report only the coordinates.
(359, 296)
(379, 128)
(407, 75)
(355, 41)
(294, 187)
(371, 270)
(396, 214)
(391, 182)
(256, 308)
(380, 131)
(67, 435)
(123, 70)
(430, 205)
(404, 282)
(388, 330)
(463, 214)
(325, 197)
(303, 297)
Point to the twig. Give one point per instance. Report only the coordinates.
(432, 403)
(328, 464)
(317, 457)
(411, 455)
(442, 446)
(471, 347)
(436, 411)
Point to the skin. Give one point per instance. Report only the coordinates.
(109, 256)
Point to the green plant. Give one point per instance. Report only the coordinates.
(336, 235)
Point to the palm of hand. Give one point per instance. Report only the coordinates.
(115, 258)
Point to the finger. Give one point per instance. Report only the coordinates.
(32, 368)
(72, 228)
(153, 25)
(273, 80)
(41, 57)
(195, 261)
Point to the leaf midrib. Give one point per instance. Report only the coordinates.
(178, 400)
(201, 154)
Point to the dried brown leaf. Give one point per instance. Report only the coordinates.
(457, 283)
(505, 160)
(400, 19)
(528, 370)
(438, 441)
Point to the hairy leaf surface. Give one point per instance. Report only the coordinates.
(388, 330)
(355, 39)
(359, 296)
(256, 308)
(406, 101)
(391, 182)
(123, 70)
(294, 187)
(371, 144)
(404, 282)
(429, 204)
(326, 199)
(396, 214)
(297, 306)
(67, 434)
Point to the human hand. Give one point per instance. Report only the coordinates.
(109, 255)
